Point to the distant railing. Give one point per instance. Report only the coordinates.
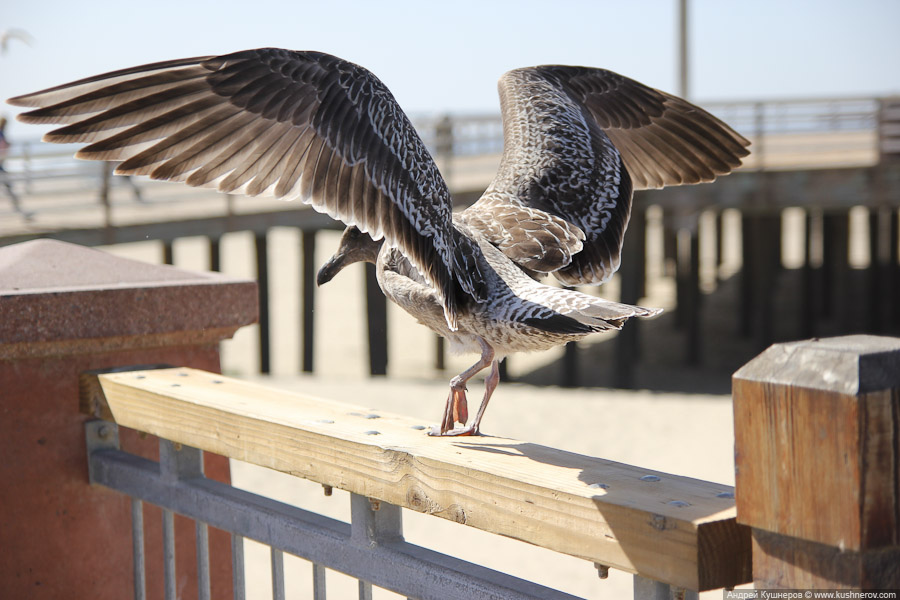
(785, 132)
(822, 156)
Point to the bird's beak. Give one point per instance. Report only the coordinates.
(331, 268)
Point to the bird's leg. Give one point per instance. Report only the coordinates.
(456, 408)
(490, 384)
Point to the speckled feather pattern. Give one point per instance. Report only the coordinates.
(556, 159)
(311, 126)
(291, 124)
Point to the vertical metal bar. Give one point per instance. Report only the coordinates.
(373, 522)
(308, 285)
(202, 561)
(759, 109)
(683, 46)
(176, 462)
(262, 277)
(376, 313)
(318, 582)
(137, 549)
(168, 519)
(237, 567)
(277, 574)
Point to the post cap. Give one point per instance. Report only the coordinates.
(851, 364)
(56, 296)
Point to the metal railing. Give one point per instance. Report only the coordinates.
(370, 548)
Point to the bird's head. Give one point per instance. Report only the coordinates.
(355, 246)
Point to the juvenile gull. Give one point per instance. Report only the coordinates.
(310, 126)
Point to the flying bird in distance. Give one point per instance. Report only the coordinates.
(310, 126)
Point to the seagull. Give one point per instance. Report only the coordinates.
(310, 126)
(13, 34)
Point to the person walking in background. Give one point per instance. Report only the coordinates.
(4, 176)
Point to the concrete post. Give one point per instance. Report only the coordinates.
(65, 309)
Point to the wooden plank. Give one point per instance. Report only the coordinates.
(672, 529)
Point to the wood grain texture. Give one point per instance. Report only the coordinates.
(786, 562)
(668, 528)
(817, 454)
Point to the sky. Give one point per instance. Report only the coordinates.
(447, 56)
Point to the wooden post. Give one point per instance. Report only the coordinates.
(215, 253)
(632, 275)
(262, 278)
(376, 316)
(748, 268)
(168, 251)
(308, 293)
(817, 427)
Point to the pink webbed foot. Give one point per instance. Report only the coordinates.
(455, 411)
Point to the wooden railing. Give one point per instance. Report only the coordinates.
(675, 530)
(817, 473)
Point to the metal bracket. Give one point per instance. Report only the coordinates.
(177, 461)
(371, 526)
(99, 435)
(648, 589)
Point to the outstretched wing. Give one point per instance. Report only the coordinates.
(578, 140)
(277, 122)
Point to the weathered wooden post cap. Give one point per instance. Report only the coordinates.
(817, 427)
(58, 298)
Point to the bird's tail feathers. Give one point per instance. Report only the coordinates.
(603, 314)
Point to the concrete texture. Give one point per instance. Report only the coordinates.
(62, 298)
(65, 310)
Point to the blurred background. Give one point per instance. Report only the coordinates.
(800, 242)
